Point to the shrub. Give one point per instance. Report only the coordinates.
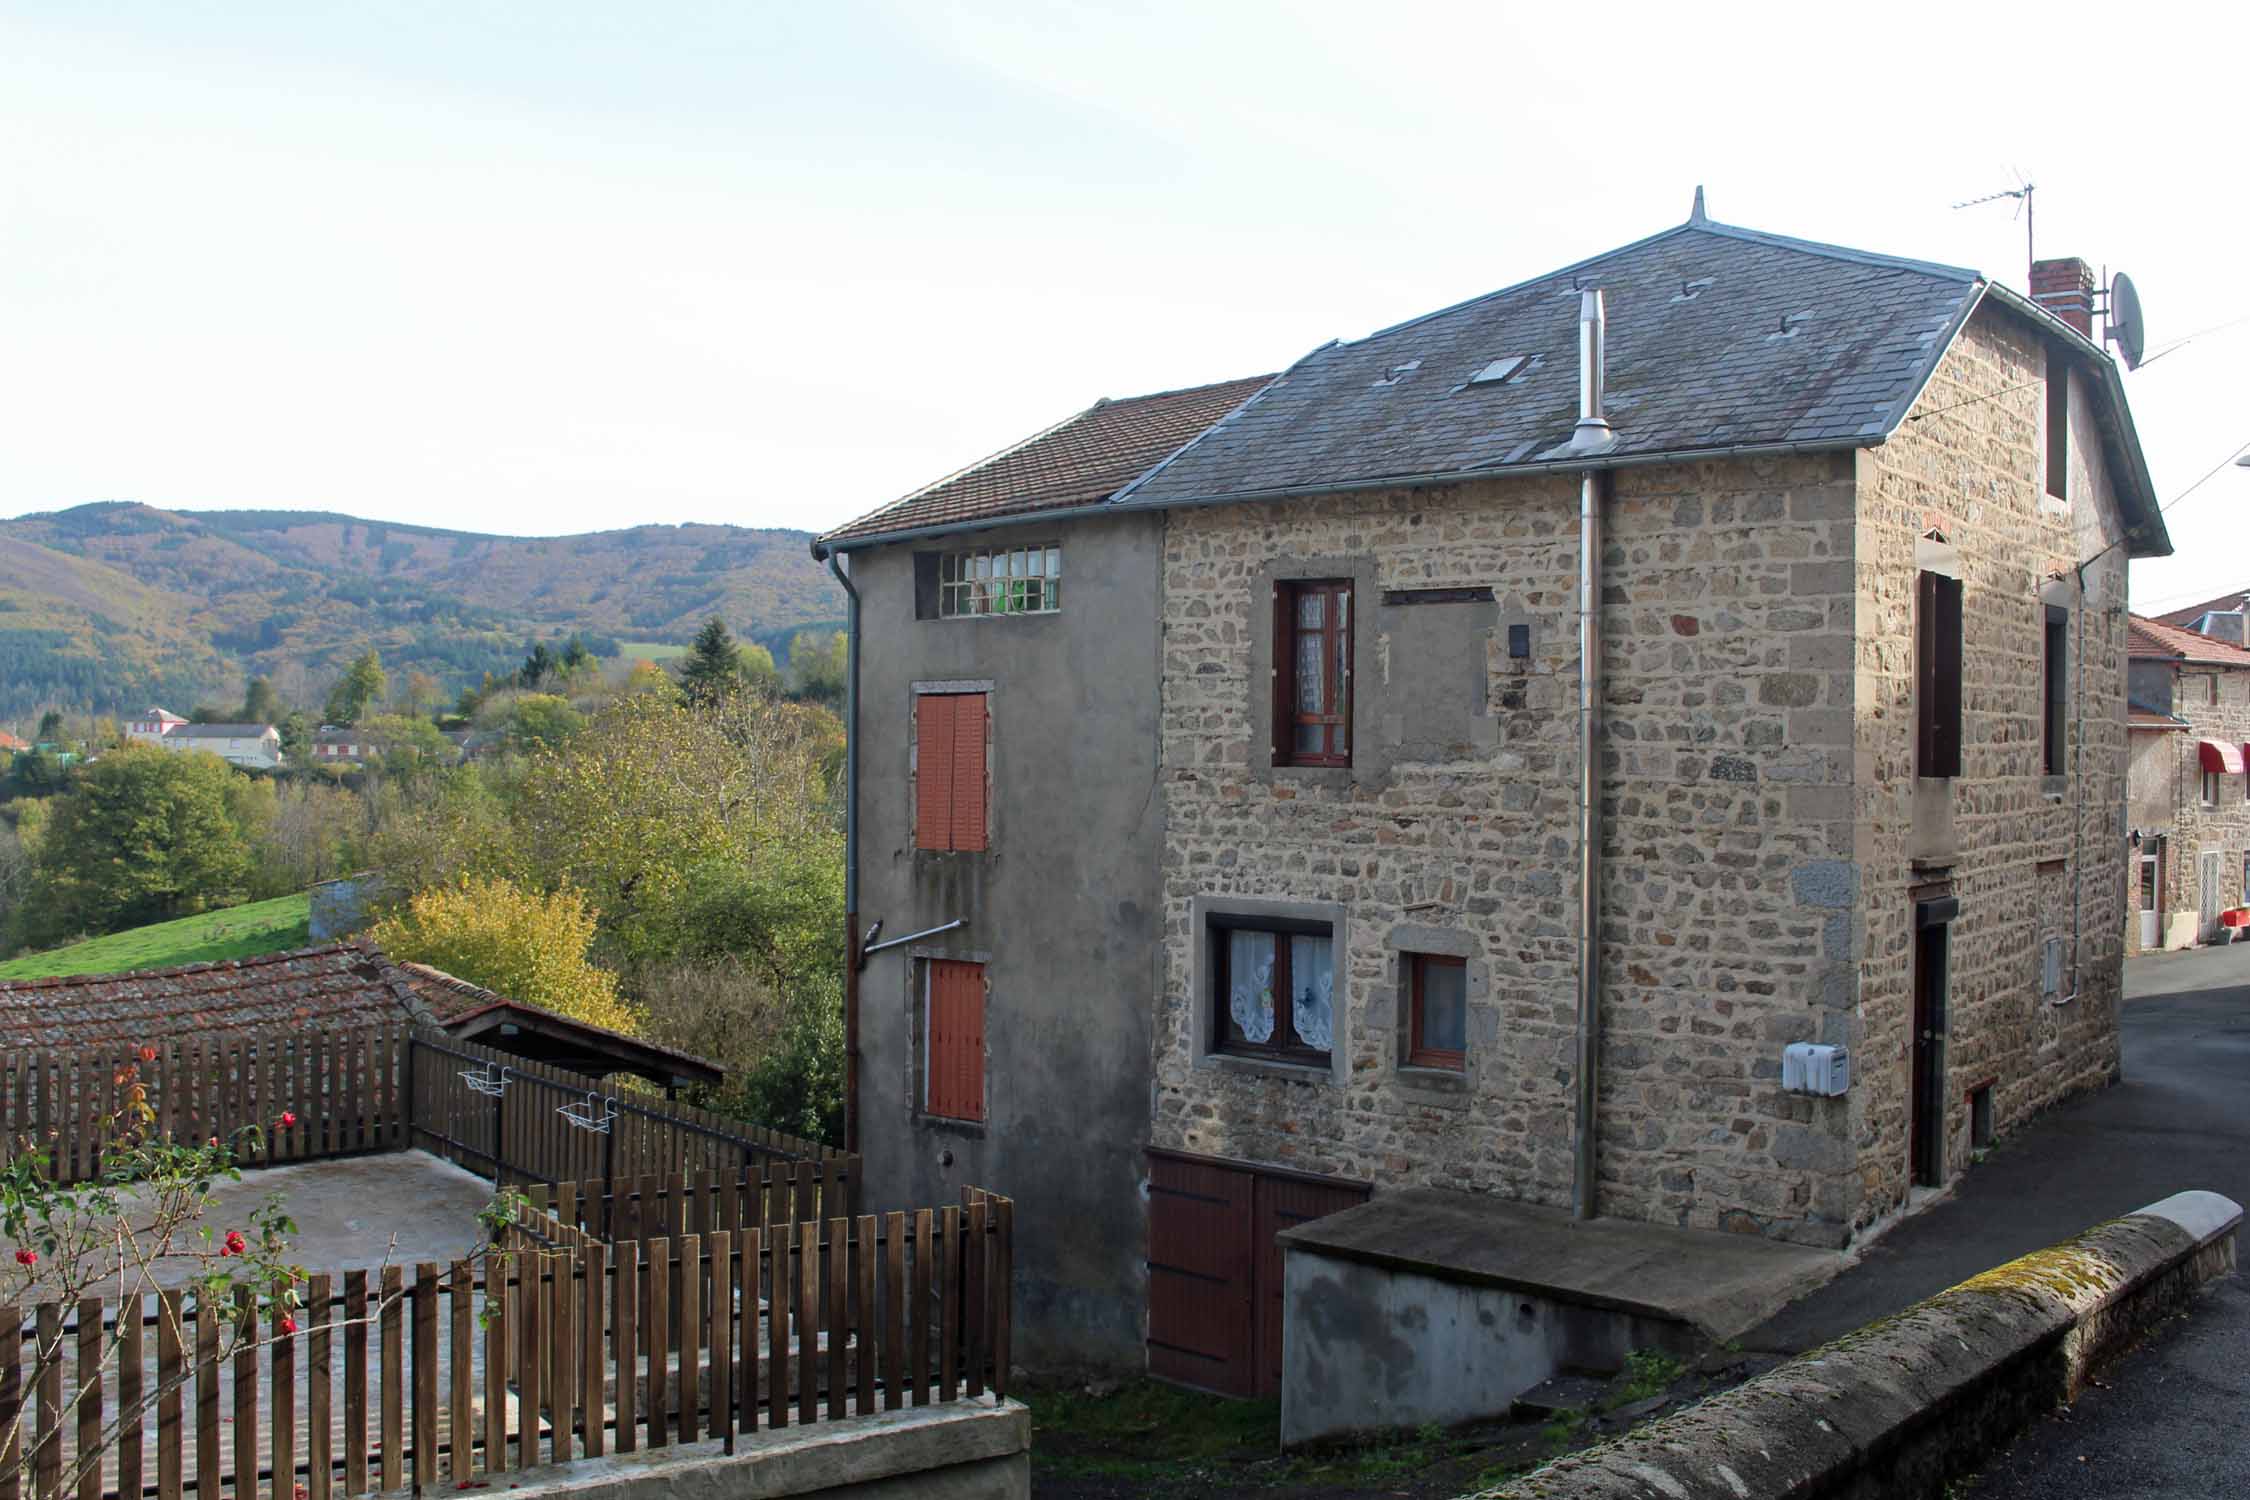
(519, 943)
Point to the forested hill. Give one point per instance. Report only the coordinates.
(112, 606)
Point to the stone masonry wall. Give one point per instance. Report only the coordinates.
(1728, 891)
(2199, 827)
(2031, 847)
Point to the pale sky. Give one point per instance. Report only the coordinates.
(552, 267)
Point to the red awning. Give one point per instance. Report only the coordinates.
(2218, 757)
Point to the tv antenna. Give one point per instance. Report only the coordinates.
(2022, 194)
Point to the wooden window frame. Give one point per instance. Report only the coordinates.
(930, 1087)
(1938, 618)
(1418, 1053)
(1336, 660)
(1285, 1047)
(2055, 736)
(936, 784)
(1000, 582)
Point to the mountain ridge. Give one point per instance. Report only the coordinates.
(105, 604)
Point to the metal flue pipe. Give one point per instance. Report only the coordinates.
(1591, 435)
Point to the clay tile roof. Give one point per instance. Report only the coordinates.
(10, 742)
(335, 986)
(1079, 461)
(2152, 638)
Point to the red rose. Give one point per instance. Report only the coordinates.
(288, 1117)
(148, 1054)
(27, 1257)
(288, 1324)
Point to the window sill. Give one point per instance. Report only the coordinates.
(1289, 1072)
(1440, 1088)
(948, 1125)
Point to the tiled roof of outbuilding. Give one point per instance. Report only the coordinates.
(2148, 639)
(1079, 461)
(339, 985)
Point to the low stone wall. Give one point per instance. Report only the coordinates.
(1905, 1404)
(970, 1450)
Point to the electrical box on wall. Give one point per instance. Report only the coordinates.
(1815, 1068)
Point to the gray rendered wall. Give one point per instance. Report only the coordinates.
(1061, 910)
(1368, 1348)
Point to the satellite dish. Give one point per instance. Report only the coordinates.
(2123, 326)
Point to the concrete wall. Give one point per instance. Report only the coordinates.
(1061, 910)
(971, 1450)
(1973, 470)
(1727, 885)
(1371, 1348)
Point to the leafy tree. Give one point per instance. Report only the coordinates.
(818, 664)
(421, 693)
(576, 658)
(406, 744)
(518, 943)
(757, 669)
(261, 704)
(296, 728)
(645, 676)
(363, 683)
(143, 835)
(713, 666)
(543, 721)
(50, 726)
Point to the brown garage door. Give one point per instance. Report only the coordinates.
(1214, 1269)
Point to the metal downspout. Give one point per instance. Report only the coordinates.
(851, 847)
(2078, 799)
(1592, 434)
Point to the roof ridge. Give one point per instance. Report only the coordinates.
(49, 981)
(1838, 252)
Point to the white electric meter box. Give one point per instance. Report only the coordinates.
(1815, 1068)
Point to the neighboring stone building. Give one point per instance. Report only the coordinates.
(1265, 837)
(2188, 804)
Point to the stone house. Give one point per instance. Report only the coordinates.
(2188, 799)
(1247, 877)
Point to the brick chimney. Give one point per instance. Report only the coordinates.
(2066, 289)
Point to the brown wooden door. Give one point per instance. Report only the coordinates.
(1214, 1268)
(1199, 1275)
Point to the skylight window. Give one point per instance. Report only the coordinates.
(1501, 370)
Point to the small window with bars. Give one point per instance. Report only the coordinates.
(1005, 581)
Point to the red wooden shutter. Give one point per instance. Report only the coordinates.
(970, 718)
(933, 770)
(955, 1055)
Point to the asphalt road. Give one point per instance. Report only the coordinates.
(2169, 1418)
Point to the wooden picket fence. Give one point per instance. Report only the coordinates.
(669, 1205)
(344, 1087)
(382, 1088)
(520, 1133)
(553, 1347)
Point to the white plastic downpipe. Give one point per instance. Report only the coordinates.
(1591, 435)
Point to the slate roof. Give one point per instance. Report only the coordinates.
(220, 731)
(2224, 604)
(1078, 461)
(334, 986)
(1719, 338)
(2148, 639)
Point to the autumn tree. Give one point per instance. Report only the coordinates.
(519, 943)
(543, 721)
(818, 663)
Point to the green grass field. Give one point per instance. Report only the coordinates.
(237, 932)
(650, 651)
